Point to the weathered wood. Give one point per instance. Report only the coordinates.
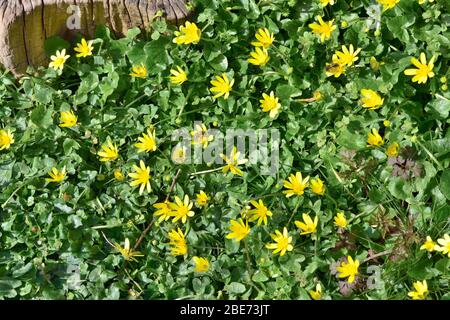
(26, 24)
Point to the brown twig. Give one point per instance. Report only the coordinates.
(147, 230)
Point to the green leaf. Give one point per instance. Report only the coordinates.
(235, 287)
(444, 185)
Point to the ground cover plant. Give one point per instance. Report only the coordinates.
(99, 202)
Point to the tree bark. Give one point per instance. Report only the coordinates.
(26, 24)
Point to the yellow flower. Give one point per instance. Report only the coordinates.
(340, 220)
(264, 38)
(347, 56)
(282, 242)
(259, 57)
(423, 1)
(147, 142)
(270, 104)
(68, 119)
(201, 264)
(222, 86)
(189, 33)
(374, 139)
(179, 155)
(317, 186)
(324, 3)
(59, 60)
(164, 212)
(308, 225)
(118, 175)
(421, 290)
(386, 123)
(388, 4)
(444, 245)
(178, 76)
(84, 48)
(429, 245)
(296, 185)
(371, 99)
(139, 71)
(239, 230)
(316, 295)
(127, 252)
(181, 210)
(317, 95)
(177, 243)
(56, 175)
(233, 162)
(6, 139)
(109, 153)
(374, 64)
(202, 199)
(392, 150)
(260, 212)
(334, 69)
(200, 135)
(423, 71)
(348, 269)
(323, 29)
(141, 177)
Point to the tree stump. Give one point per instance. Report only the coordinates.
(26, 24)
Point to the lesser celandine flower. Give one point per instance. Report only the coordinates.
(296, 185)
(187, 34)
(127, 252)
(109, 152)
(200, 135)
(334, 69)
(374, 139)
(232, 162)
(179, 76)
(68, 119)
(181, 210)
(388, 4)
(141, 177)
(308, 225)
(6, 139)
(423, 71)
(444, 245)
(164, 212)
(392, 150)
(202, 199)
(371, 99)
(348, 269)
(58, 60)
(177, 243)
(317, 294)
(179, 155)
(201, 264)
(317, 186)
(84, 48)
(282, 242)
(259, 57)
(374, 64)
(323, 29)
(118, 175)
(56, 175)
(423, 1)
(340, 220)
(147, 143)
(386, 123)
(264, 38)
(222, 86)
(239, 230)
(421, 290)
(139, 71)
(347, 56)
(270, 104)
(327, 2)
(428, 245)
(260, 212)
